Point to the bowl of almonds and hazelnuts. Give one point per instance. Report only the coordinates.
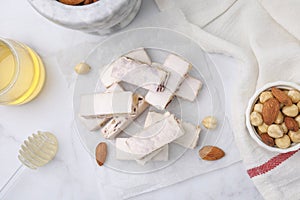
(273, 117)
(91, 16)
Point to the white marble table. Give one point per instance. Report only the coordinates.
(70, 175)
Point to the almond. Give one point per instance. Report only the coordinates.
(281, 96)
(270, 111)
(87, 2)
(267, 139)
(71, 2)
(291, 124)
(101, 152)
(211, 153)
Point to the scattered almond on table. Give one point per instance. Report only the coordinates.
(276, 117)
(101, 152)
(211, 153)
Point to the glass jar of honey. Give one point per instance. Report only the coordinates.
(22, 73)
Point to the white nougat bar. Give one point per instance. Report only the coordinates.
(189, 88)
(94, 124)
(118, 123)
(139, 74)
(123, 153)
(188, 140)
(106, 104)
(177, 68)
(139, 54)
(158, 135)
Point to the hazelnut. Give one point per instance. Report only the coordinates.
(279, 118)
(283, 142)
(275, 131)
(82, 68)
(298, 104)
(295, 136)
(284, 128)
(258, 107)
(298, 120)
(264, 96)
(291, 111)
(263, 128)
(209, 122)
(294, 95)
(286, 91)
(256, 119)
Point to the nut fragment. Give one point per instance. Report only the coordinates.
(270, 111)
(265, 96)
(294, 95)
(275, 131)
(87, 2)
(267, 139)
(291, 124)
(281, 96)
(284, 128)
(71, 2)
(263, 128)
(258, 107)
(298, 120)
(283, 142)
(256, 119)
(209, 122)
(291, 111)
(101, 152)
(82, 68)
(211, 153)
(295, 136)
(279, 118)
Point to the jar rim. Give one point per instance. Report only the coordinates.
(8, 43)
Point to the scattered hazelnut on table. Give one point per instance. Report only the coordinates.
(82, 68)
(209, 122)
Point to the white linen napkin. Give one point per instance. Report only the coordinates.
(264, 35)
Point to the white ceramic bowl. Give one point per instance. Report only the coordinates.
(101, 17)
(253, 100)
